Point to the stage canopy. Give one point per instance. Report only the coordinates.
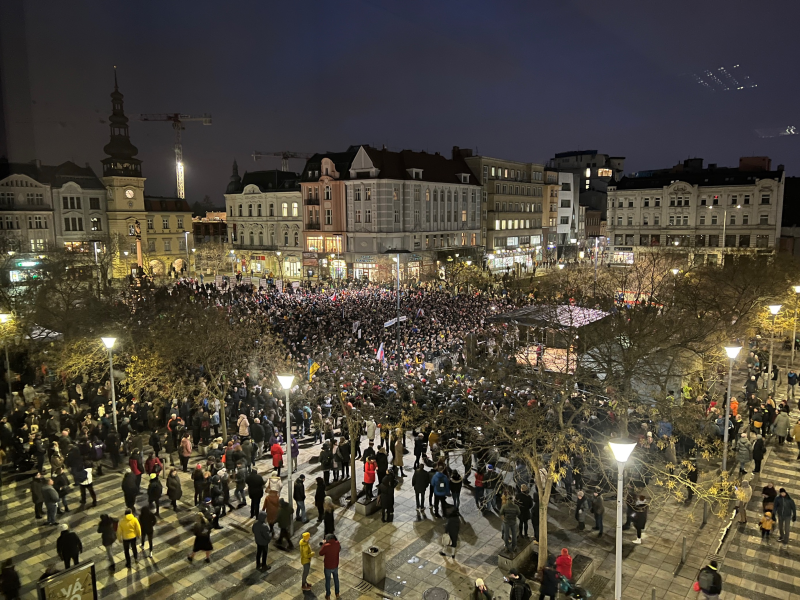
(551, 316)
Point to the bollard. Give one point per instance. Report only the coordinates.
(683, 551)
(653, 594)
(705, 513)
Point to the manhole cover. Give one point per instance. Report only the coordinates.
(435, 593)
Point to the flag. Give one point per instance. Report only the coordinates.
(313, 366)
(333, 298)
(420, 313)
(380, 355)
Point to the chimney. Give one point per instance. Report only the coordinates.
(461, 152)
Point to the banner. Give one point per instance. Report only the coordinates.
(390, 323)
(77, 583)
(403, 318)
(355, 325)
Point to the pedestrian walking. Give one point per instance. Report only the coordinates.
(329, 524)
(129, 489)
(154, 491)
(147, 522)
(441, 489)
(199, 483)
(277, 457)
(285, 523)
(743, 493)
(86, 484)
(68, 546)
(263, 536)
(785, 511)
(61, 485)
(766, 525)
(330, 554)
(319, 499)
(781, 425)
(564, 564)
(174, 488)
(185, 451)
(202, 538)
(758, 452)
(455, 488)
(452, 528)
(598, 509)
(107, 528)
(128, 531)
(305, 559)
(639, 518)
(709, 581)
(421, 481)
(397, 459)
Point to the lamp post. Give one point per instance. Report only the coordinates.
(774, 309)
(794, 332)
(596, 241)
(194, 269)
(732, 352)
(286, 382)
(622, 451)
(233, 264)
(109, 343)
(186, 245)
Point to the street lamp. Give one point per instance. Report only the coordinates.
(675, 271)
(194, 270)
(233, 264)
(621, 449)
(774, 309)
(794, 332)
(109, 344)
(732, 352)
(5, 318)
(286, 382)
(561, 266)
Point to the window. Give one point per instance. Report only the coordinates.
(619, 220)
(646, 202)
(67, 224)
(672, 219)
(396, 216)
(358, 216)
(497, 224)
(328, 216)
(296, 239)
(327, 192)
(285, 238)
(762, 241)
(713, 241)
(463, 216)
(645, 219)
(734, 199)
(702, 219)
(249, 210)
(565, 221)
(485, 173)
(630, 220)
(97, 225)
(566, 204)
(713, 219)
(565, 187)
(764, 198)
(747, 199)
(182, 243)
(744, 241)
(295, 209)
(672, 201)
(630, 202)
(368, 216)
(745, 219)
(703, 201)
(180, 222)
(416, 216)
(657, 202)
(493, 173)
(656, 219)
(259, 210)
(604, 173)
(285, 209)
(167, 246)
(358, 194)
(271, 210)
(151, 245)
(763, 219)
(733, 220)
(164, 222)
(685, 219)
(150, 223)
(65, 202)
(314, 244)
(240, 210)
(715, 200)
(368, 194)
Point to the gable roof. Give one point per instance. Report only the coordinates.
(435, 167)
(267, 181)
(54, 176)
(165, 204)
(341, 160)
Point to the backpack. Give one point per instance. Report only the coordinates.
(527, 594)
(706, 579)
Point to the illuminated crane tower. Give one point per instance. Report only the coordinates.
(285, 156)
(177, 121)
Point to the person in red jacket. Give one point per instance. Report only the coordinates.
(564, 564)
(330, 552)
(137, 468)
(277, 457)
(369, 477)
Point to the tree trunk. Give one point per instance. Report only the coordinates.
(223, 420)
(353, 488)
(544, 500)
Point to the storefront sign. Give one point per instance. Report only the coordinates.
(310, 255)
(365, 259)
(77, 583)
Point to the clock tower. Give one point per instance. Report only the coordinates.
(122, 176)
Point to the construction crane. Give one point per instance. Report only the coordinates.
(177, 121)
(284, 155)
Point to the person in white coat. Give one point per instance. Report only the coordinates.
(371, 427)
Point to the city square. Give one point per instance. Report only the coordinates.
(406, 368)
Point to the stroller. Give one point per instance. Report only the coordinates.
(570, 590)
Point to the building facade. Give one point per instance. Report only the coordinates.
(265, 223)
(164, 223)
(210, 229)
(325, 208)
(706, 213)
(512, 211)
(424, 205)
(43, 208)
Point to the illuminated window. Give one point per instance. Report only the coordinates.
(497, 224)
(588, 172)
(285, 209)
(604, 173)
(314, 244)
(295, 209)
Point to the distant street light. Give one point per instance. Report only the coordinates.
(732, 352)
(286, 382)
(774, 309)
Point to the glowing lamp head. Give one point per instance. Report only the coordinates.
(732, 351)
(797, 289)
(622, 449)
(675, 271)
(286, 381)
(109, 342)
(775, 308)
(560, 266)
(5, 318)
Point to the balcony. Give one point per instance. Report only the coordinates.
(311, 201)
(312, 226)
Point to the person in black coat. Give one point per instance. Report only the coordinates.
(420, 482)
(130, 488)
(299, 496)
(257, 435)
(382, 460)
(386, 497)
(452, 528)
(107, 528)
(154, 491)
(68, 546)
(525, 503)
(255, 489)
(759, 450)
(420, 447)
(9, 581)
(147, 521)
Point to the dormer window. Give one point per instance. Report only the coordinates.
(464, 177)
(415, 173)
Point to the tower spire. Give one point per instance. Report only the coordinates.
(120, 150)
(236, 181)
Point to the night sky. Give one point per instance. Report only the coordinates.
(516, 80)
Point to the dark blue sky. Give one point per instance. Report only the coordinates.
(517, 80)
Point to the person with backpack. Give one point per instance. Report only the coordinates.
(520, 590)
(709, 581)
(107, 528)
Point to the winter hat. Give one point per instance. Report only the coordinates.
(564, 552)
(479, 582)
(306, 536)
(153, 475)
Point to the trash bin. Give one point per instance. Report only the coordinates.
(373, 564)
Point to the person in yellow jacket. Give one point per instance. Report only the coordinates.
(305, 558)
(766, 525)
(127, 532)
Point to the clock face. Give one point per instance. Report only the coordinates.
(129, 193)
